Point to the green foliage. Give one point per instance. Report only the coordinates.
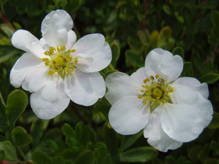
(16, 103)
(215, 123)
(210, 78)
(20, 136)
(139, 154)
(132, 28)
(7, 151)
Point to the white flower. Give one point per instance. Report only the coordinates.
(170, 110)
(58, 68)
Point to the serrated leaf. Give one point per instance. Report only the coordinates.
(139, 154)
(16, 103)
(20, 136)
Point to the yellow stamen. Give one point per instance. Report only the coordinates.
(60, 61)
(155, 91)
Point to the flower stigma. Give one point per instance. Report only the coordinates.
(155, 91)
(60, 61)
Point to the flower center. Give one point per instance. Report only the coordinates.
(60, 61)
(155, 91)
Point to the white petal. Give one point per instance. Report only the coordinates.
(157, 137)
(184, 94)
(119, 85)
(56, 37)
(56, 20)
(139, 76)
(71, 39)
(184, 122)
(187, 95)
(163, 63)
(194, 84)
(36, 78)
(128, 115)
(25, 41)
(85, 88)
(22, 67)
(49, 102)
(95, 53)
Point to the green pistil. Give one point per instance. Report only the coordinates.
(60, 61)
(155, 92)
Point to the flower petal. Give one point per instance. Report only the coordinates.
(56, 37)
(95, 53)
(57, 19)
(185, 122)
(25, 41)
(49, 101)
(194, 84)
(35, 79)
(128, 115)
(187, 95)
(163, 63)
(71, 39)
(22, 67)
(85, 88)
(157, 137)
(119, 85)
(139, 76)
(55, 27)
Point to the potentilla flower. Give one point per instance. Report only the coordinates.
(58, 68)
(169, 109)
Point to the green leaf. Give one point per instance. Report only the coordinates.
(6, 57)
(16, 103)
(215, 122)
(129, 141)
(167, 9)
(8, 150)
(139, 154)
(37, 129)
(41, 158)
(101, 154)
(211, 161)
(188, 69)
(20, 136)
(61, 160)
(115, 46)
(86, 157)
(70, 136)
(85, 134)
(210, 78)
(214, 33)
(7, 29)
(134, 58)
(178, 50)
(3, 120)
